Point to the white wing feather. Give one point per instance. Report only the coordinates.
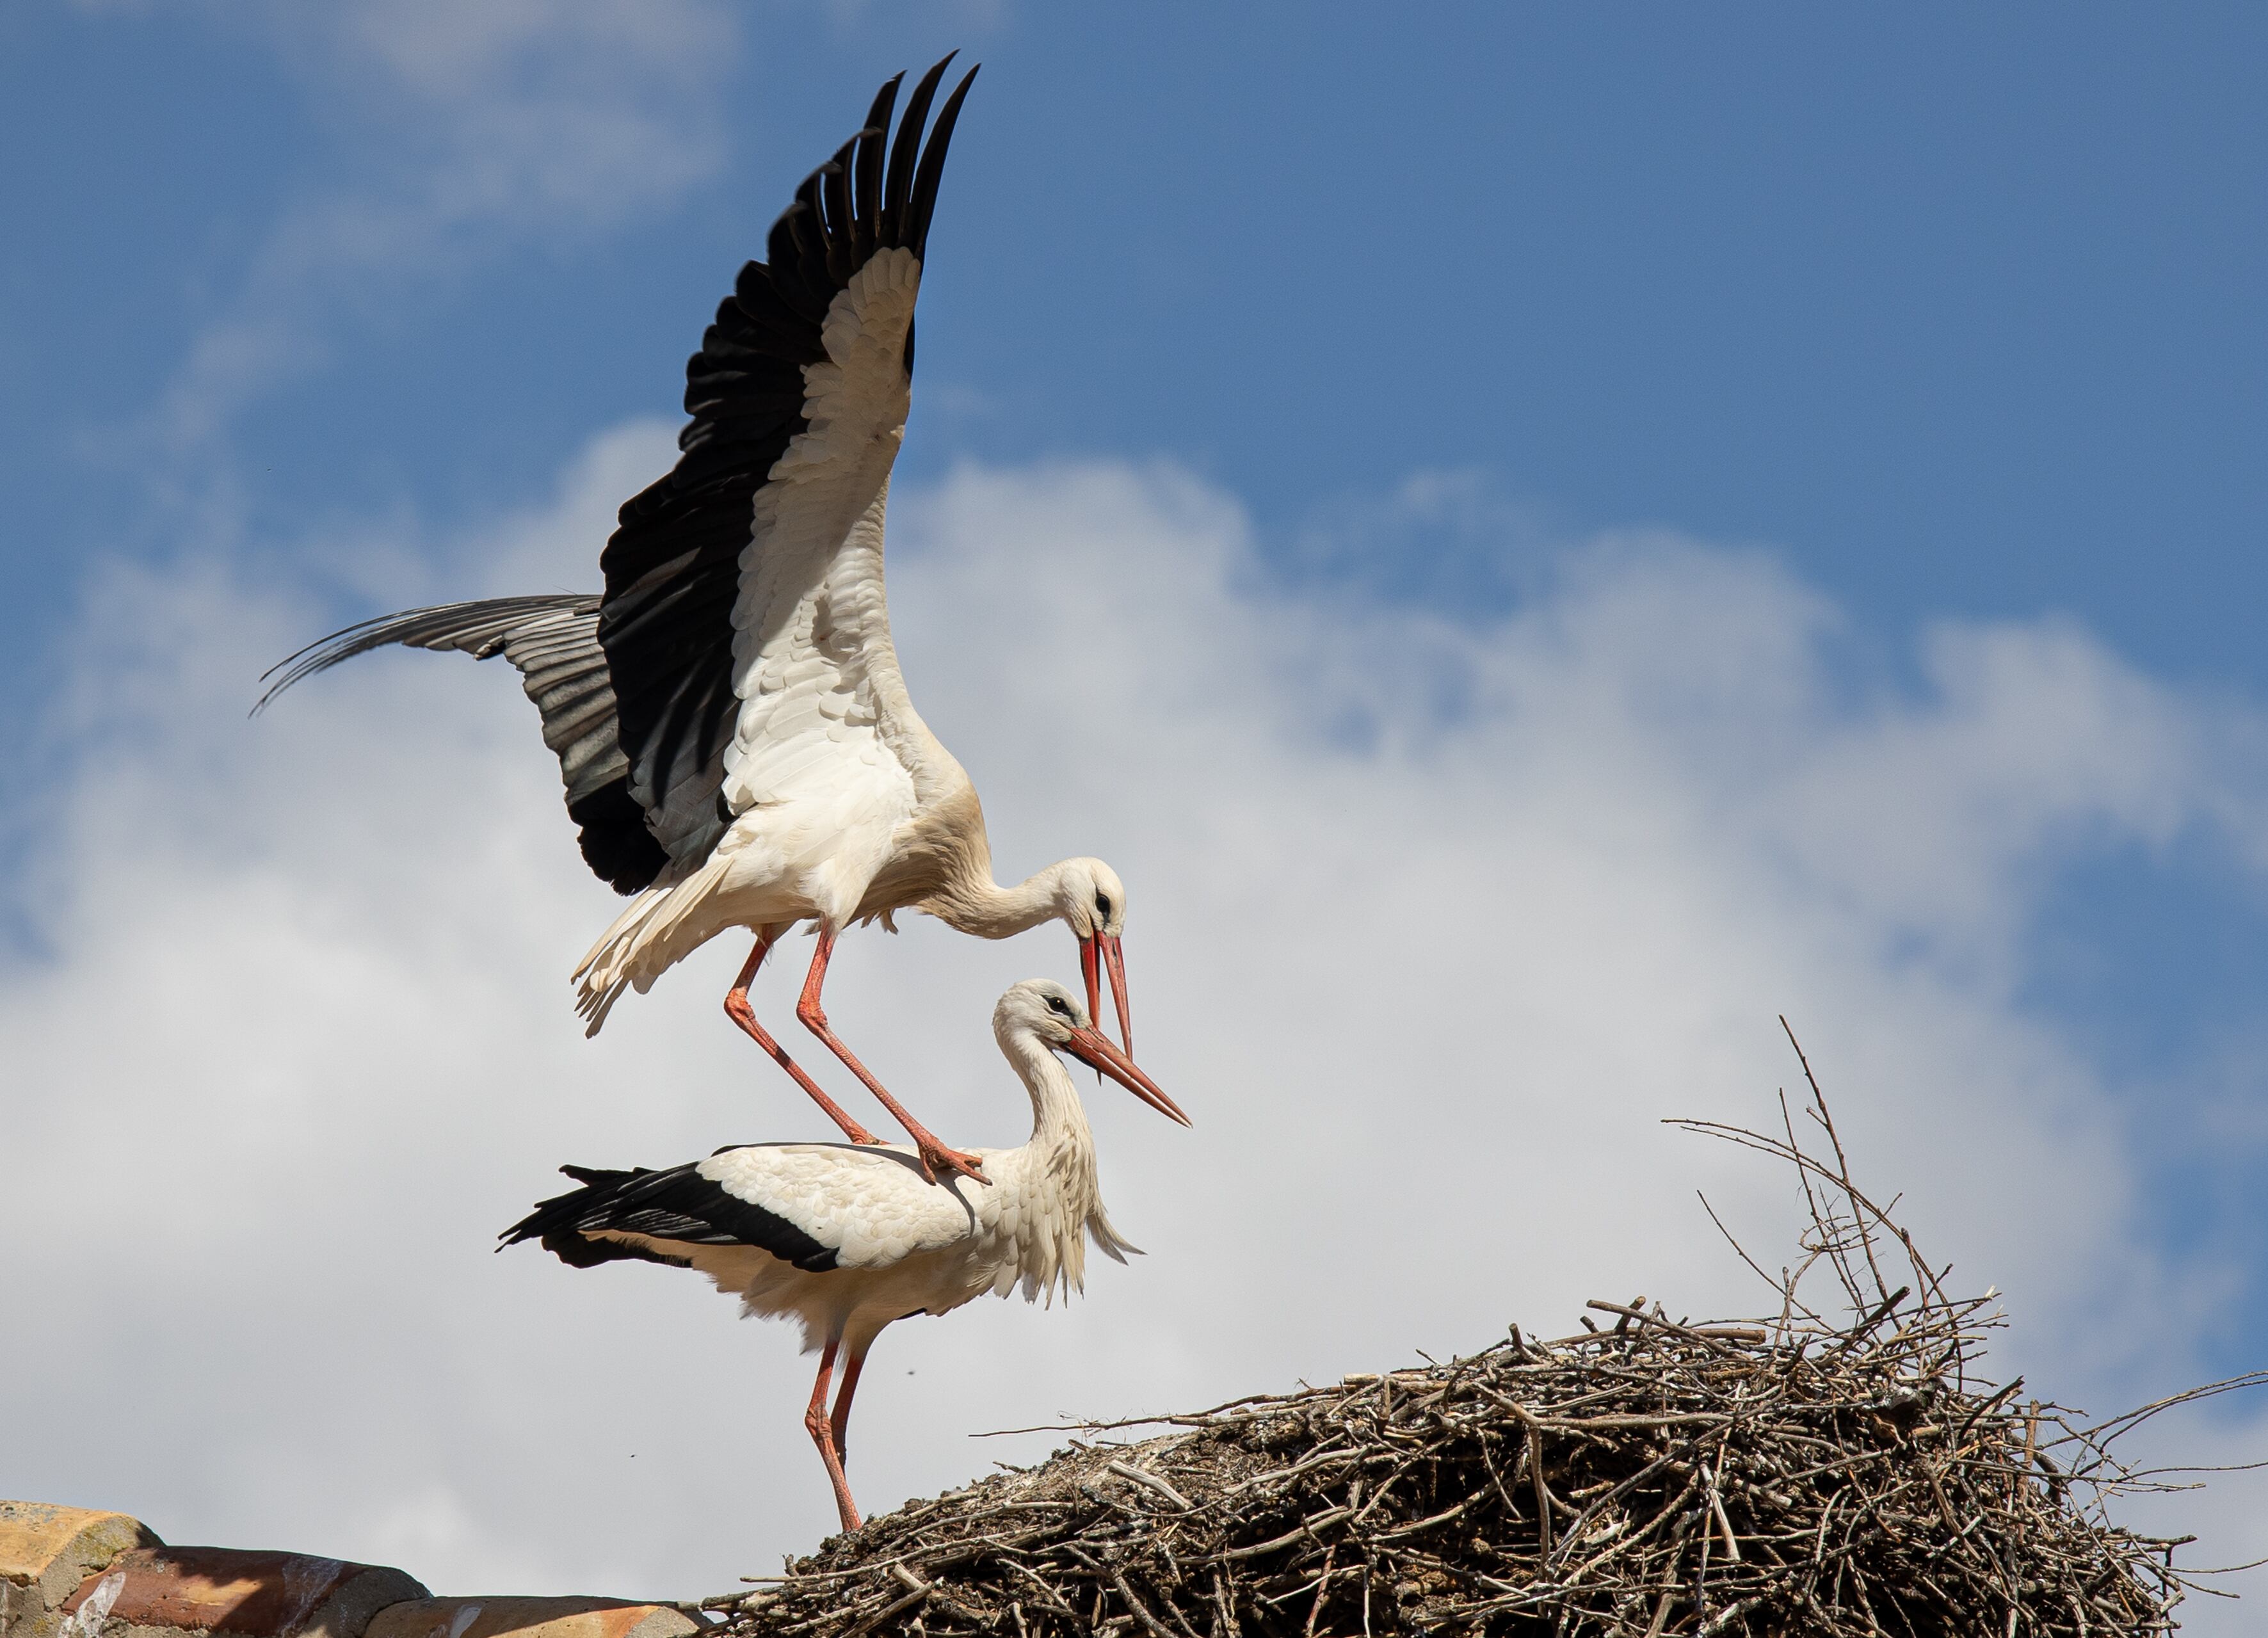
(871, 1206)
(809, 778)
(812, 618)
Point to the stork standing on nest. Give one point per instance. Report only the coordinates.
(736, 738)
(847, 1238)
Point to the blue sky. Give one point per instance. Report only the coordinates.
(1925, 323)
(1959, 312)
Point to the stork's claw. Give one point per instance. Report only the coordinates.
(936, 1158)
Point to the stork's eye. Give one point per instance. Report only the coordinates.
(1102, 906)
(1056, 1004)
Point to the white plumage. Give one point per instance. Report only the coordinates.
(845, 1238)
(733, 730)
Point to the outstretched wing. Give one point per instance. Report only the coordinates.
(798, 399)
(553, 643)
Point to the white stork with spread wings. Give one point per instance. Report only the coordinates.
(736, 739)
(847, 1241)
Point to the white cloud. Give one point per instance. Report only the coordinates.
(1433, 923)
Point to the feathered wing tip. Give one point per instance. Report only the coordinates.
(552, 642)
(864, 198)
(480, 628)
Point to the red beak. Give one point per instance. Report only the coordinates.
(1105, 951)
(1092, 1048)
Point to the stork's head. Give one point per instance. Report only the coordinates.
(1092, 900)
(1044, 1010)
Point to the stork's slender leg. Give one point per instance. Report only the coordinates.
(935, 1155)
(822, 1434)
(839, 1424)
(737, 1009)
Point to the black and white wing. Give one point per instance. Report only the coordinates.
(676, 1208)
(553, 643)
(712, 642)
(813, 1206)
(714, 621)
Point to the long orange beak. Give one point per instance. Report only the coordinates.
(1103, 950)
(1092, 1048)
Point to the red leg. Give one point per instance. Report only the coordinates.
(822, 1434)
(839, 1424)
(737, 1009)
(935, 1155)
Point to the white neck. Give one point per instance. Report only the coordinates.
(1058, 1117)
(979, 904)
(1059, 1203)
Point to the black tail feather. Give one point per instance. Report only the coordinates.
(557, 1223)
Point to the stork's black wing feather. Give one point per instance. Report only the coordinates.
(553, 643)
(674, 566)
(636, 685)
(678, 1204)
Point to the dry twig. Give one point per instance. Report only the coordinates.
(1836, 1478)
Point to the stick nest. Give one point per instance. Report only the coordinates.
(1796, 1474)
